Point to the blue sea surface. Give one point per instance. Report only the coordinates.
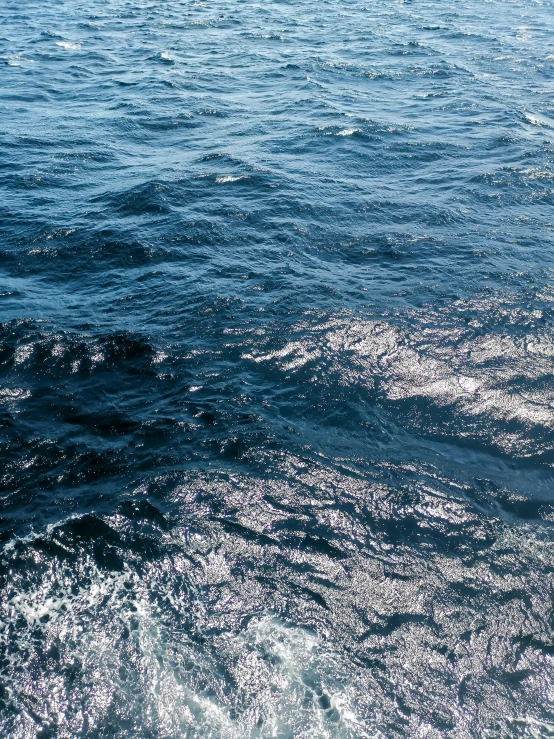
(277, 358)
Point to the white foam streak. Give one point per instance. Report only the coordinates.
(160, 671)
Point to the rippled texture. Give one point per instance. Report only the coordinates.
(277, 410)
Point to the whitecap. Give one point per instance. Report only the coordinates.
(230, 178)
(539, 120)
(17, 60)
(72, 45)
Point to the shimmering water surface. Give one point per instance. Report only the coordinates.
(277, 401)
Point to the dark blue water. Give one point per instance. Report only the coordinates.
(276, 354)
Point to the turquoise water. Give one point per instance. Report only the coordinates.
(276, 349)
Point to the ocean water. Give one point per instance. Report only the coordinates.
(276, 351)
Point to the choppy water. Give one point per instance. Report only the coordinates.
(277, 401)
